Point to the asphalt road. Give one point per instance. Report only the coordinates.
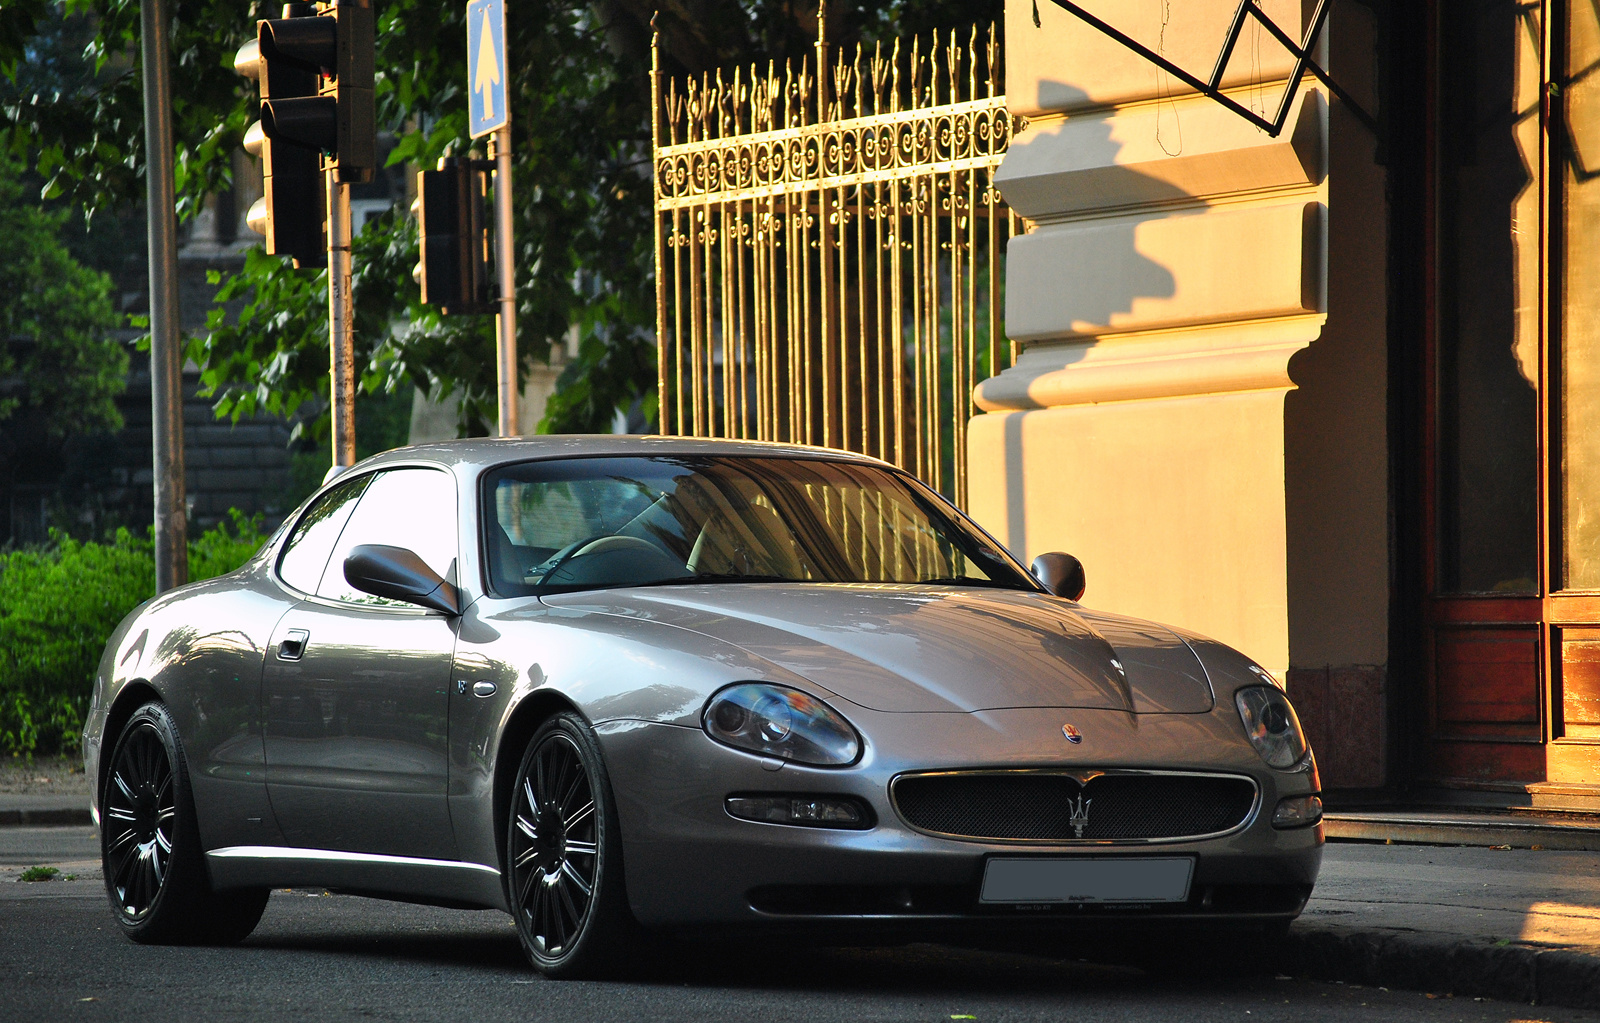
(326, 957)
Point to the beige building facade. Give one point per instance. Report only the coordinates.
(1317, 393)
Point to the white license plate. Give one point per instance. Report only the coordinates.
(1164, 879)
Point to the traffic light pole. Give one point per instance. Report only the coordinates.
(504, 261)
(341, 316)
(166, 367)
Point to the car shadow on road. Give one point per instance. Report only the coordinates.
(484, 941)
(305, 921)
(1193, 962)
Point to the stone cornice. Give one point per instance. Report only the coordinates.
(1215, 360)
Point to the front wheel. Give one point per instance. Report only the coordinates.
(155, 870)
(564, 854)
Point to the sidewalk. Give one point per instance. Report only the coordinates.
(43, 792)
(1512, 924)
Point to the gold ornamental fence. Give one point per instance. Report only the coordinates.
(829, 249)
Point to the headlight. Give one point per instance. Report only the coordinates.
(1270, 722)
(781, 722)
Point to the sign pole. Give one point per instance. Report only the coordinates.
(166, 368)
(505, 267)
(341, 333)
(489, 113)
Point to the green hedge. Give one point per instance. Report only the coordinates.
(58, 606)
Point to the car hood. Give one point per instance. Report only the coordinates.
(898, 648)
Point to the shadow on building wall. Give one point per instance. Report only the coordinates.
(1135, 275)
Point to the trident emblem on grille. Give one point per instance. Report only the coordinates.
(1080, 815)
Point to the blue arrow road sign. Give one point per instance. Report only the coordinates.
(486, 66)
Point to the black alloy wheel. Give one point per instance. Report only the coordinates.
(155, 871)
(141, 816)
(565, 877)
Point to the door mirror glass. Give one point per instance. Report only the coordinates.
(398, 574)
(1062, 574)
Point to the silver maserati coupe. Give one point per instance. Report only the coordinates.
(616, 685)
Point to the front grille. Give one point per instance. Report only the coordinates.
(1041, 806)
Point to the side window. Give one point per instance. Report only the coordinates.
(306, 553)
(410, 508)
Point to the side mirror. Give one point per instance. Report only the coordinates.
(1062, 574)
(399, 574)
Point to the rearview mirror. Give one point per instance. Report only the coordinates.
(399, 574)
(1062, 574)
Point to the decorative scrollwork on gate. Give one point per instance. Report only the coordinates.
(957, 137)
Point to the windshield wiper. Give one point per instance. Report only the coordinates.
(677, 580)
(962, 580)
(719, 577)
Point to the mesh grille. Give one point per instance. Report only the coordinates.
(1040, 806)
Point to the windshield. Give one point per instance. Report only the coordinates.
(586, 523)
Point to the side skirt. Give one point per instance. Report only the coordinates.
(400, 877)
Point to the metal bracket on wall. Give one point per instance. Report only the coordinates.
(1213, 88)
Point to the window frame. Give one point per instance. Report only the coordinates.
(341, 480)
(288, 534)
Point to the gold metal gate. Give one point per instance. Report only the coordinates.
(829, 249)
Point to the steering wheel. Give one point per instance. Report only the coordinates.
(564, 555)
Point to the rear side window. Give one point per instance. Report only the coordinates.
(306, 553)
(410, 508)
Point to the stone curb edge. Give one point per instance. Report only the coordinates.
(1357, 828)
(1513, 973)
(40, 818)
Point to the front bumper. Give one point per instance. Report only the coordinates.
(688, 862)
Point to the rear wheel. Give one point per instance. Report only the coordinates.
(564, 854)
(154, 868)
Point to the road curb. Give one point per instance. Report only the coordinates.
(43, 818)
(1458, 829)
(1439, 963)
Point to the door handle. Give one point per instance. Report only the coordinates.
(293, 645)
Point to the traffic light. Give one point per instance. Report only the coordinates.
(315, 69)
(335, 44)
(454, 236)
(290, 211)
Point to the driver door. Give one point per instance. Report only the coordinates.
(356, 689)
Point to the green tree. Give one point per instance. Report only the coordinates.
(59, 363)
(19, 23)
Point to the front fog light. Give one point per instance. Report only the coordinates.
(1270, 722)
(805, 810)
(1297, 812)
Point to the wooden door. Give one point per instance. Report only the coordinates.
(1511, 437)
(1483, 637)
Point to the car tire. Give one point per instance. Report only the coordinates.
(150, 854)
(564, 855)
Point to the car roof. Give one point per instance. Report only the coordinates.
(489, 451)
